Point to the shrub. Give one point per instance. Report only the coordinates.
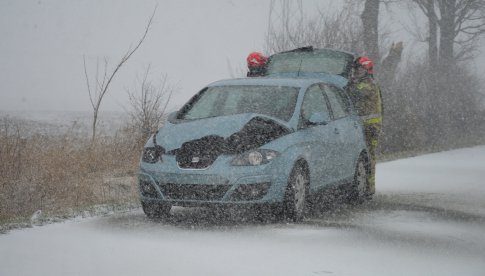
(52, 172)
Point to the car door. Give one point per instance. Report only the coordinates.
(346, 126)
(319, 140)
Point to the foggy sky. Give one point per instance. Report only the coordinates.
(43, 43)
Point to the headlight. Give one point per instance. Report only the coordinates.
(152, 154)
(254, 157)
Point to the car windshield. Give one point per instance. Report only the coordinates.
(317, 61)
(275, 101)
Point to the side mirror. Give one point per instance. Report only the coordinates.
(172, 116)
(319, 118)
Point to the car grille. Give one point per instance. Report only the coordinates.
(200, 153)
(194, 191)
(195, 162)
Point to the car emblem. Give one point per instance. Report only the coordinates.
(195, 159)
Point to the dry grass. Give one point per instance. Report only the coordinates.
(54, 173)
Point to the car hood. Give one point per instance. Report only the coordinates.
(242, 131)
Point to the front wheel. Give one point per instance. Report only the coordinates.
(156, 210)
(359, 187)
(296, 194)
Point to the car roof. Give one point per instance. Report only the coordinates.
(302, 81)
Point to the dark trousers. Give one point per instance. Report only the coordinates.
(372, 131)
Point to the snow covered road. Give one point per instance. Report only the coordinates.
(427, 218)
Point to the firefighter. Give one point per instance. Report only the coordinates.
(256, 64)
(367, 99)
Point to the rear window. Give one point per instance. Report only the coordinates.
(315, 61)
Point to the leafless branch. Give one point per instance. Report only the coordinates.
(148, 104)
(103, 81)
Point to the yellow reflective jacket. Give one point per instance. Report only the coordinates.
(367, 100)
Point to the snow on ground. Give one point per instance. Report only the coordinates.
(428, 218)
(454, 180)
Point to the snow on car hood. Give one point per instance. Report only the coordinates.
(241, 131)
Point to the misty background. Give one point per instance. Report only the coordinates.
(192, 42)
(43, 43)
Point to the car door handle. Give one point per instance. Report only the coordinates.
(336, 131)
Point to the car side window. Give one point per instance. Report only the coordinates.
(313, 102)
(345, 99)
(340, 104)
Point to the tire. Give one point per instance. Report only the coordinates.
(296, 194)
(359, 186)
(156, 210)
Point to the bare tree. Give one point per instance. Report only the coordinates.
(444, 92)
(98, 89)
(149, 104)
(370, 23)
(390, 64)
(452, 22)
(290, 27)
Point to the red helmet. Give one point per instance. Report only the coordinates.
(365, 63)
(256, 59)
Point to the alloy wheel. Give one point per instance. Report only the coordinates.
(299, 189)
(295, 199)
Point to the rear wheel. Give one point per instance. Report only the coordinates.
(156, 210)
(296, 194)
(359, 187)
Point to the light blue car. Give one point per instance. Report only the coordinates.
(271, 142)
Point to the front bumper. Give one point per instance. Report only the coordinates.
(219, 184)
